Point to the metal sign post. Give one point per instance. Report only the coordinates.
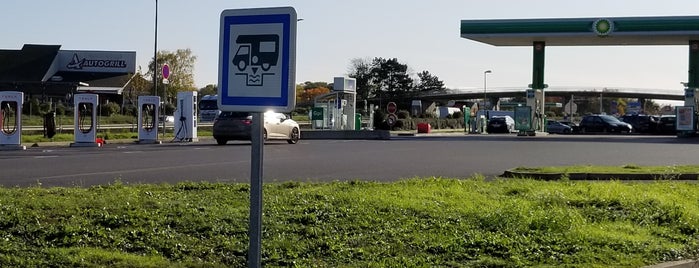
(255, 229)
(257, 73)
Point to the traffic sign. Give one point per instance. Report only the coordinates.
(391, 107)
(166, 71)
(391, 120)
(257, 60)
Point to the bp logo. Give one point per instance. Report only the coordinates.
(603, 27)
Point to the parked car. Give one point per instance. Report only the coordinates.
(642, 123)
(572, 125)
(667, 124)
(603, 123)
(556, 127)
(238, 126)
(501, 124)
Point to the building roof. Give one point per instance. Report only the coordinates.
(29, 64)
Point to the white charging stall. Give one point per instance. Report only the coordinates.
(148, 107)
(186, 116)
(85, 130)
(11, 120)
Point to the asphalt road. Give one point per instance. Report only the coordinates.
(456, 155)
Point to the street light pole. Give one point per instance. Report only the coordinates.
(155, 53)
(485, 88)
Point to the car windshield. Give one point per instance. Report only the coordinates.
(208, 105)
(609, 119)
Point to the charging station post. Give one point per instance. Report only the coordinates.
(11, 120)
(85, 130)
(148, 116)
(186, 116)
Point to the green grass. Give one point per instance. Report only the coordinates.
(625, 169)
(412, 223)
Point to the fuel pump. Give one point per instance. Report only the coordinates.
(148, 107)
(85, 130)
(535, 100)
(186, 116)
(11, 120)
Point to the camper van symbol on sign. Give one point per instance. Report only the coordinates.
(255, 56)
(257, 59)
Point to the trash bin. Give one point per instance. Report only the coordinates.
(424, 128)
(357, 121)
(50, 125)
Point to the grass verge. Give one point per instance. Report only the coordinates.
(411, 223)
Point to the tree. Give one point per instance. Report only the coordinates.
(209, 89)
(360, 70)
(391, 78)
(181, 63)
(428, 82)
(138, 86)
(310, 94)
(309, 85)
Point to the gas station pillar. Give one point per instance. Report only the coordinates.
(535, 97)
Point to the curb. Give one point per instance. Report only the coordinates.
(600, 176)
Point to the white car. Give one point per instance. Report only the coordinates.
(238, 126)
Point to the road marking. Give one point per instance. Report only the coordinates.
(45, 156)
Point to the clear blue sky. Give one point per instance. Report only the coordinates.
(423, 34)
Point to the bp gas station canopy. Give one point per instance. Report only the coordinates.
(620, 31)
(583, 31)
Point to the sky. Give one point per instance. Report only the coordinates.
(425, 35)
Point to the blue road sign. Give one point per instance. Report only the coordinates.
(257, 60)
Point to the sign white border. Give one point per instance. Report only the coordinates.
(237, 98)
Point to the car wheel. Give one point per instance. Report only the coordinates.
(221, 141)
(294, 137)
(583, 130)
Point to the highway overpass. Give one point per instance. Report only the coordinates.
(566, 92)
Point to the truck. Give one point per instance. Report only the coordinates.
(208, 108)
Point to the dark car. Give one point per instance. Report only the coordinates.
(501, 124)
(603, 123)
(667, 124)
(574, 126)
(238, 126)
(558, 127)
(642, 123)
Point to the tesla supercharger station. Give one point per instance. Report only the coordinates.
(11, 120)
(85, 130)
(186, 116)
(148, 107)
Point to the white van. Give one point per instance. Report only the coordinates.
(208, 108)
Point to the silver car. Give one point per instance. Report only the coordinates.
(238, 126)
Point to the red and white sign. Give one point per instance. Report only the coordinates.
(166, 71)
(392, 107)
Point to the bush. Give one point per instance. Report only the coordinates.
(403, 114)
(109, 109)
